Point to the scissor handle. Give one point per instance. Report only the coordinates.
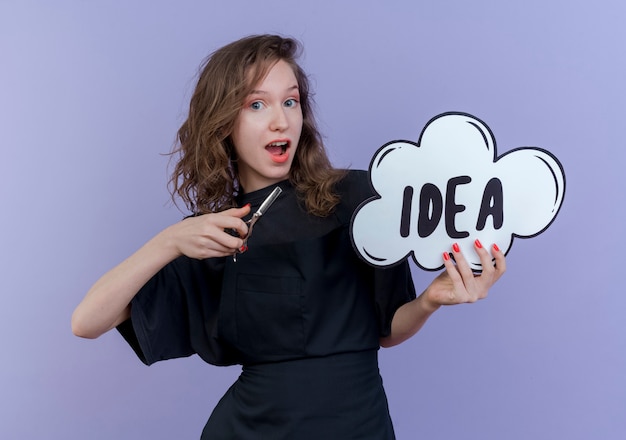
(264, 206)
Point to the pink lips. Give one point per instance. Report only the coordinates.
(278, 150)
(280, 159)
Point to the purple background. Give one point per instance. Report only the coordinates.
(92, 93)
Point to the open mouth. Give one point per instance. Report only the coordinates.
(278, 151)
(277, 148)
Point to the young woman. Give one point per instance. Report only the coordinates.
(297, 308)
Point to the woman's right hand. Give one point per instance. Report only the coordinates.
(107, 304)
(206, 236)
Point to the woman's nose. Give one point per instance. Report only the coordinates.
(279, 120)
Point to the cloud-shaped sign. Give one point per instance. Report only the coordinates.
(451, 187)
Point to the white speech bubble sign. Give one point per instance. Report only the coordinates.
(451, 187)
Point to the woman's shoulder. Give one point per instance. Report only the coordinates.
(355, 184)
(354, 188)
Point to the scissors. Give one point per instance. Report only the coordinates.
(255, 217)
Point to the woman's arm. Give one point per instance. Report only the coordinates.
(457, 284)
(107, 303)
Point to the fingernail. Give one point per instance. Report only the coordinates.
(242, 248)
(456, 248)
(478, 244)
(496, 248)
(446, 256)
(247, 205)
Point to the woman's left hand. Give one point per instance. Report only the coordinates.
(459, 284)
(455, 285)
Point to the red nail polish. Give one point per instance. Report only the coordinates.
(478, 244)
(456, 248)
(247, 205)
(242, 249)
(496, 248)
(446, 256)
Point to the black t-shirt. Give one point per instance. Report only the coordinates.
(300, 291)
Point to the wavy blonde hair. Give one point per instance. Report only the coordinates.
(205, 174)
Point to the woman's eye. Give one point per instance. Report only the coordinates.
(256, 105)
(291, 103)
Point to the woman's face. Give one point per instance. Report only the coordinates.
(267, 130)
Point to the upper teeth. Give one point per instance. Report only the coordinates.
(278, 144)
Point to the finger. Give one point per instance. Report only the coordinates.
(455, 281)
(461, 276)
(227, 243)
(498, 255)
(475, 286)
(238, 212)
(210, 249)
(448, 263)
(235, 227)
(461, 263)
(486, 261)
(488, 276)
(228, 221)
(220, 232)
(241, 228)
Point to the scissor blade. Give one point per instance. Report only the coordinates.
(268, 201)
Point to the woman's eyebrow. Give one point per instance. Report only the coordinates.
(263, 92)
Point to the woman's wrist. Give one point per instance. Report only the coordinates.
(165, 243)
(426, 304)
